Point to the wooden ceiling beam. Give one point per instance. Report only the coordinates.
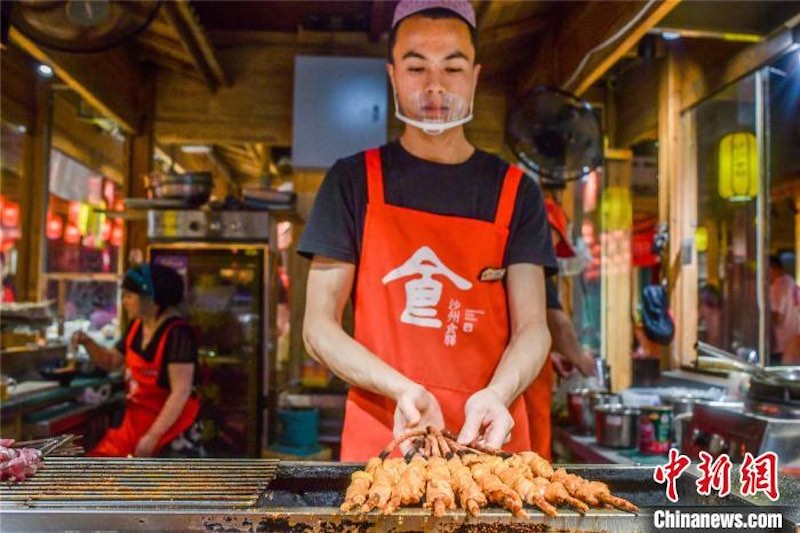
(487, 13)
(196, 42)
(571, 56)
(514, 30)
(222, 165)
(253, 154)
(109, 81)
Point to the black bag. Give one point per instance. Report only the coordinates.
(658, 324)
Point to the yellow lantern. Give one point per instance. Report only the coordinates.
(738, 167)
(701, 239)
(617, 209)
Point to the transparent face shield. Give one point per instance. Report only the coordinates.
(435, 113)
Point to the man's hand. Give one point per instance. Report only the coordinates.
(585, 364)
(487, 420)
(416, 408)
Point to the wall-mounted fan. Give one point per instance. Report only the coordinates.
(82, 26)
(555, 135)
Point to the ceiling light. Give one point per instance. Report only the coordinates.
(45, 71)
(670, 35)
(195, 149)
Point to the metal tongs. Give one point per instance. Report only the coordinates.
(51, 445)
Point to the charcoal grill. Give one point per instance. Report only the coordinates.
(260, 495)
(155, 483)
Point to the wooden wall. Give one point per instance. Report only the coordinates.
(86, 142)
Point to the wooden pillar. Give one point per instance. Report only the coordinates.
(797, 237)
(616, 290)
(140, 161)
(32, 261)
(683, 274)
(677, 205)
(306, 185)
(297, 268)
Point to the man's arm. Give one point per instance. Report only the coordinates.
(487, 410)
(330, 283)
(565, 342)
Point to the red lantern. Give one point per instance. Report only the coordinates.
(105, 230)
(74, 212)
(108, 192)
(106, 260)
(55, 227)
(10, 214)
(116, 235)
(72, 235)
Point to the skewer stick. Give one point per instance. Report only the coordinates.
(404, 437)
(479, 447)
(415, 449)
(443, 446)
(435, 451)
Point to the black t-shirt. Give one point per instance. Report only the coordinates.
(180, 347)
(551, 294)
(470, 189)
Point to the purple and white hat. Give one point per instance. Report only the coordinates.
(406, 8)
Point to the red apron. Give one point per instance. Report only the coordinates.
(538, 398)
(421, 306)
(145, 400)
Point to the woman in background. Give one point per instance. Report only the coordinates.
(160, 357)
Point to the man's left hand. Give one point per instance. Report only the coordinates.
(146, 446)
(487, 420)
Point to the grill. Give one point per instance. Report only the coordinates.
(213, 495)
(161, 483)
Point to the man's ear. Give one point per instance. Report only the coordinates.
(390, 72)
(477, 73)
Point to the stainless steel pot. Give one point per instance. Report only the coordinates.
(194, 187)
(581, 404)
(617, 426)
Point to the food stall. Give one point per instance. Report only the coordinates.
(187, 90)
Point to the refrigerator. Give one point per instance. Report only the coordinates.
(228, 303)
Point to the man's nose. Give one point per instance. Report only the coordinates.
(433, 82)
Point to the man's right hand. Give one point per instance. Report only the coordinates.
(416, 408)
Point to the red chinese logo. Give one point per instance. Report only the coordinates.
(757, 474)
(714, 474)
(670, 472)
(760, 474)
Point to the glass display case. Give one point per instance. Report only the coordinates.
(226, 303)
(741, 143)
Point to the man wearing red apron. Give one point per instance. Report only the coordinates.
(442, 248)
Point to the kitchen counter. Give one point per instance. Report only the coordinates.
(38, 400)
(586, 448)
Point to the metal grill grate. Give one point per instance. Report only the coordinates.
(162, 483)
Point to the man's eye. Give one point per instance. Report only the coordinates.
(453, 70)
(415, 69)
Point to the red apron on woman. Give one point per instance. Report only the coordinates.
(422, 306)
(145, 400)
